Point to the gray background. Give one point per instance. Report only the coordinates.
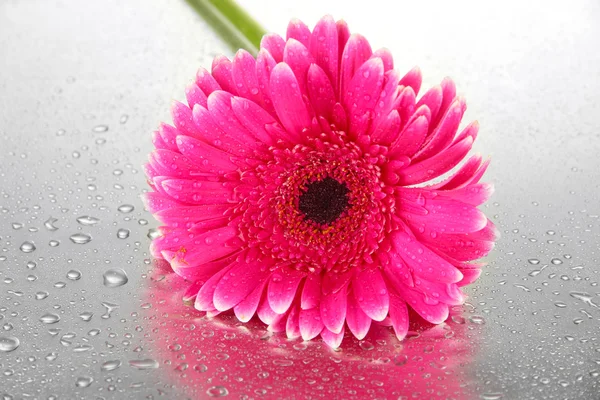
(531, 74)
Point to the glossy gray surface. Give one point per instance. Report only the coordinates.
(82, 85)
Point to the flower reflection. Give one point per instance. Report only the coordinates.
(203, 357)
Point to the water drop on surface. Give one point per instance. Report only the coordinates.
(217, 391)
(27, 247)
(115, 277)
(50, 318)
(476, 319)
(49, 224)
(126, 208)
(144, 364)
(153, 234)
(87, 220)
(86, 316)
(74, 275)
(84, 382)
(17, 225)
(41, 295)
(110, 365)
(8, 343)
(123, 233)
(100, 128)
(80, 238)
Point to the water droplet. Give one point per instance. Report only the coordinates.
(556, 261)
(115, 277)
(110, 365)
(51, 356)
(17, 225)
(54, 243)
(74, 275)
(533, 261)
(27, 247)
(100, 128)
(110, 307)
(86, 316)
(50, 318)
(153, 233)
(126, 208)
(87, 220)
(123, 118)
(80, 238)
(31, 264)
(84, 381)
(8, 343)
(217, 391)
(476, 319)
(41, 295)
(49, 224)
(366, 345)
(584, 297)
(560, 304)
(123, 233)
(82, 348)
(144, 364)
(400, 359)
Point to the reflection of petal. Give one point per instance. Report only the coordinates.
(432, 362)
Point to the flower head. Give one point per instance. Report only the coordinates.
(298, 186)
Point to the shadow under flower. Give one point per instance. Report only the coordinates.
(205, 357)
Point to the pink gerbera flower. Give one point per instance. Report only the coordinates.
(292, 187)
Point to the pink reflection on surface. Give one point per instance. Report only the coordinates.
(216, 357)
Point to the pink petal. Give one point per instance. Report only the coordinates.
(434, 313)
(320, 92)
(386, 57)
(371, 293)
(274, 44)
(411, 137)
(423, 261)
(219, 105)
(474, 194)
(204, 299)
(405, 104)
(182, 118)
(298, 30)
(448, 96)
(310, 323)
(299, 59)
(470, 275)
(282, 288)
(292, 325)
(191, 292)
(436, 165)
(211, 132)
(195, 95)
(358, 322)
(239, 281)
(447, 293)
(158, 142)
(168, 135)
(245, 309)
(399, 316)
(206, 82)
(324, 48)
(287, 100)
(184, 216)
(254, 118)
(278, 324)
(201, 273)
(442, 135)
(209, 158)
(333, 309)
(461, 176)
(221, 71)
(265, 313)
(356, 51)
(264, 65)
(203, 248)
(432, 99)
(173, 164)
(311, 292)
(461, 247)
(197, 192)
(244, 76)
(440, 214)
(413, 79)
(343, 35)
(388, 129)
(363, 92)
(332, 339)
(156, 202)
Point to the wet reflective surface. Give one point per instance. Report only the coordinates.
(85, 313)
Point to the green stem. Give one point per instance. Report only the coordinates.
(232, 22)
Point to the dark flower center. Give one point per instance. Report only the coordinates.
(324, 201)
